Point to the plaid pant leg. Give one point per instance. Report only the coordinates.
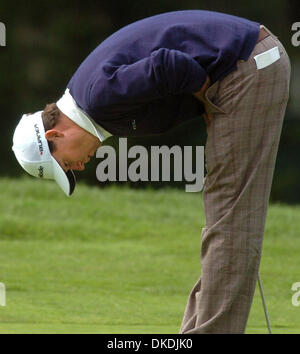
(248, 108)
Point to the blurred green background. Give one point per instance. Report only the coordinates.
(47, 41)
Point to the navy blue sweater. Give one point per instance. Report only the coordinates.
(140, 80)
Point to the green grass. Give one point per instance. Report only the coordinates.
(116, 260)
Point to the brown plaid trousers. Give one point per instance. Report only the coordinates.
(248, 108)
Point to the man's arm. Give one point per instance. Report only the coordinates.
(163, 73)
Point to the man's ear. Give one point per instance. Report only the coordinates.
(53, 134)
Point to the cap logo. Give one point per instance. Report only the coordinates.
(41, 171)
(38, 136)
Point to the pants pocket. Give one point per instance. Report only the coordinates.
(210, 94)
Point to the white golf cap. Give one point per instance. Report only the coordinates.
(32, 152)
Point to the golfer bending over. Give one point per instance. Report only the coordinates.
(151, 76)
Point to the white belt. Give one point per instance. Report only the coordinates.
(267, 58)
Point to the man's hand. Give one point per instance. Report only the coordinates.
(200, 96)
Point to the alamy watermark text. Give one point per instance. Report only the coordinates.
(296, 295)
(296, 35)
(2, 294)
(2, 35)
(159, 162)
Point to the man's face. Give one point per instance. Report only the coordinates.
(73, 146)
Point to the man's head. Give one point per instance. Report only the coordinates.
(71, 145)
(49, 144)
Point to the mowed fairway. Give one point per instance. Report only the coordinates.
(118, 260)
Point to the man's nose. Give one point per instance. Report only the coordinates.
(78, 166)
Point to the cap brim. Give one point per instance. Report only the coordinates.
(66, 180)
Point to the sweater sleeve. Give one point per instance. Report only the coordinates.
(165, 72)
